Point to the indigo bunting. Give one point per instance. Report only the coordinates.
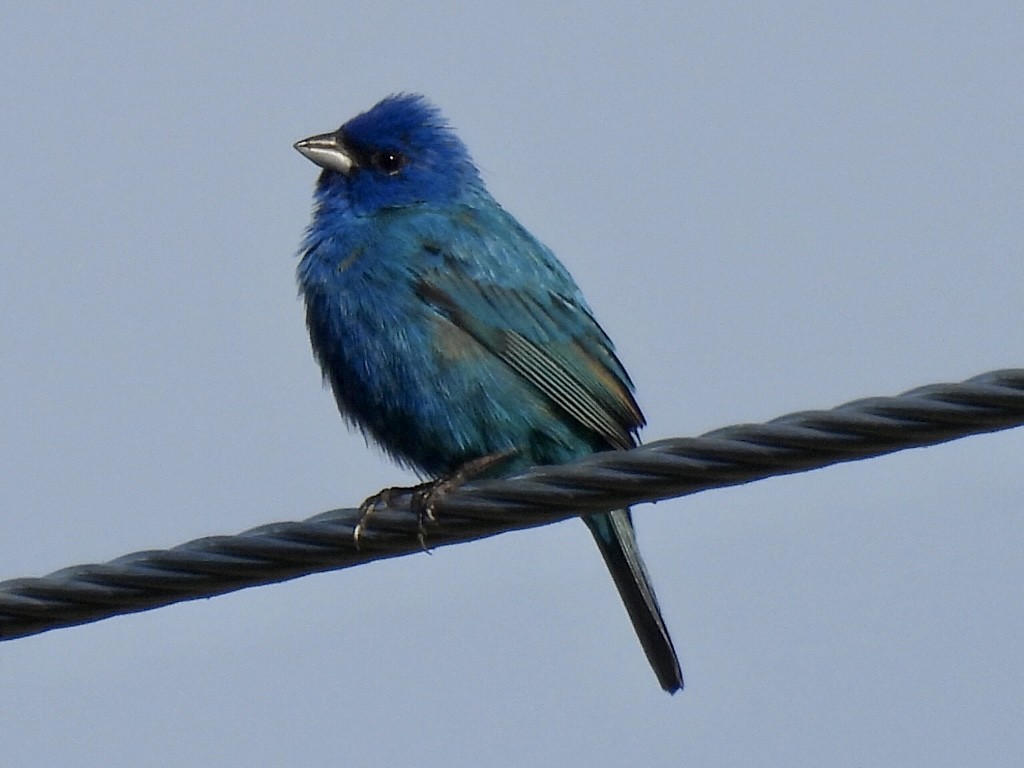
(448, 333)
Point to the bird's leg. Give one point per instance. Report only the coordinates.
(425, 496)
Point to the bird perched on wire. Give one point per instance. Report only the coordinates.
(450, 335)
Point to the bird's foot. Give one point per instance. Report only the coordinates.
(382, 499)
(426, 496)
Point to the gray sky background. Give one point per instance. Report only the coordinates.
(770, 209)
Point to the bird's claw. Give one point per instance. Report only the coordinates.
(424, 509)
(426, 495)
(366, 510)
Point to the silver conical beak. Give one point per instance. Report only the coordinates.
(327, 151)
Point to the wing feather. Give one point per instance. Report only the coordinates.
(540, 327)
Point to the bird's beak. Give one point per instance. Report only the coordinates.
(327, 151)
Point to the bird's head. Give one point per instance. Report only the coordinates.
(401, 152)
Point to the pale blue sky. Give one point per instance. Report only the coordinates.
(769, 209)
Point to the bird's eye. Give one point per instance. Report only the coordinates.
(389, 161)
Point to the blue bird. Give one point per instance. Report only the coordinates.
(449, 334)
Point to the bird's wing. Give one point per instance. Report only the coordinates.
(497, 283)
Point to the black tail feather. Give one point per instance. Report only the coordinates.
(617, 542)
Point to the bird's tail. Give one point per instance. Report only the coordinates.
(617, 542)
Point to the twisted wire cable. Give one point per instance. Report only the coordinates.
(667, 468)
